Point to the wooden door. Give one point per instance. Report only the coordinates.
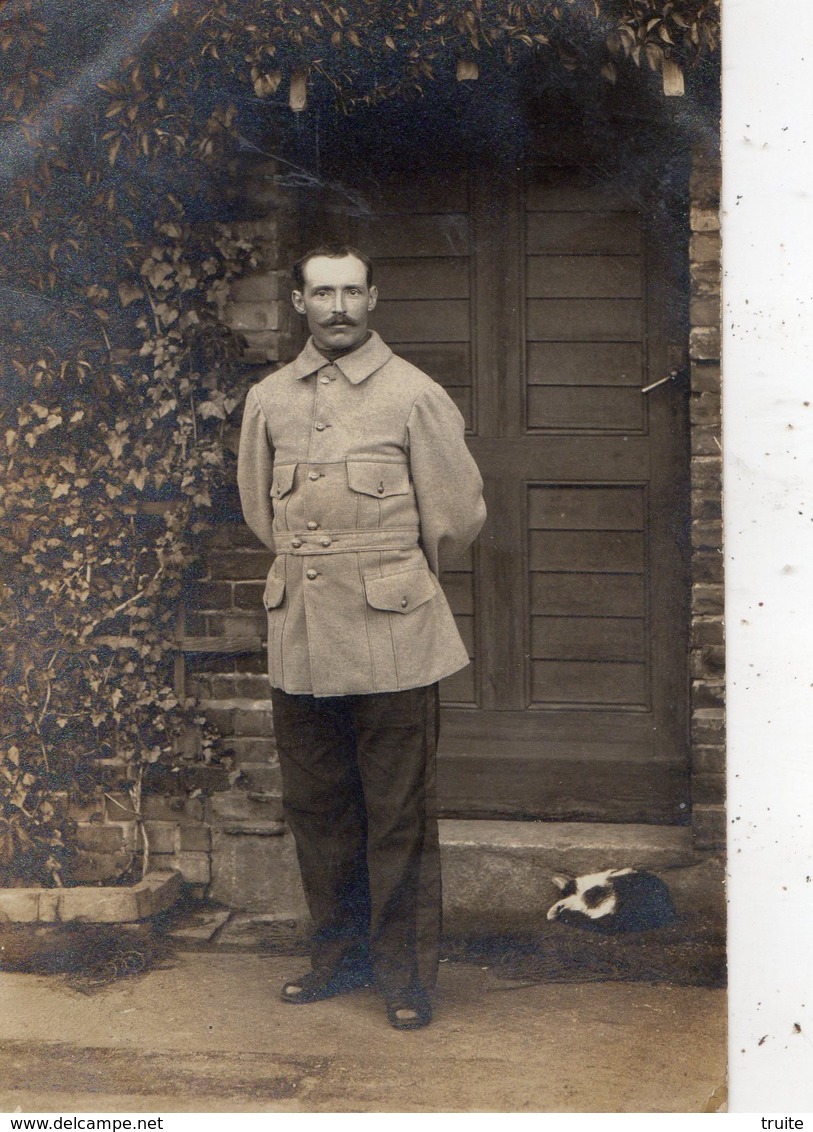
(545, 309)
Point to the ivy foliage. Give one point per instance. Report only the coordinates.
(366, 52)
(119, 384)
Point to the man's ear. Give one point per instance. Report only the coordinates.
(298, 301)
(373, 299)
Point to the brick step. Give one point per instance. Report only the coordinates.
(239, 716)
(260, 778)
(266, 797)
(253, 828)
(252, 749)
(213, 687)
(239, 805)
(254, 867)
(237, 703)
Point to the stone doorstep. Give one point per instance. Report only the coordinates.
(90, 905)
(496, 874)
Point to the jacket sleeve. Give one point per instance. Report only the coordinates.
(448, 485)
(255, 471)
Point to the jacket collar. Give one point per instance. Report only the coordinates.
(356, 366)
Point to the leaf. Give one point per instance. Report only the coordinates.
(673, 82)
(467, 70)
(267, 84)
(212, 409)
(654, 56)
(129, 293)
(138, 477)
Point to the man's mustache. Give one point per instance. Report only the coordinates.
(340, 320)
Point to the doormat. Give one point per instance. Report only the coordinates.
(683, 954)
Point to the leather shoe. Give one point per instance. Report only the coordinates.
(410, 1010)
(315, 986)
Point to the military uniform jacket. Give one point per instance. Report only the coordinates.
(357, 475)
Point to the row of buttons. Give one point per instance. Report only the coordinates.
(326, 540)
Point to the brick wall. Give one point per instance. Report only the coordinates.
(223, 624)
(707, 658)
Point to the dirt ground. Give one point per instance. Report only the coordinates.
(206, 1032)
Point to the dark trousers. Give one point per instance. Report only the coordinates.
(358, 776)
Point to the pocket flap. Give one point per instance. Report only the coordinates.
(274, 591)
(400, 593)
(283, 480)
(377, 478)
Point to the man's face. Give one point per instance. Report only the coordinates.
(336, 301)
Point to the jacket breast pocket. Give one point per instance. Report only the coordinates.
(383, 493)
(400, 593)
(281, 484)
(378, 478)
(283, 480)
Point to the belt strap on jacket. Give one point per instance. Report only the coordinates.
(339, 542)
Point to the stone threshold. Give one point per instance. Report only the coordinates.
(85, 904)
(577, 846)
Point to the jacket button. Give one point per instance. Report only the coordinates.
(296, 542)
(326, 541)
(404, 602)
(313, 475)
(380, 488)
(312, 526)
(311, 574)
(325, 380)
(320, 426)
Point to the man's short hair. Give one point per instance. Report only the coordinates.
(332, 251)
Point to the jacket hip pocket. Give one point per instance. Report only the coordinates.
(400, 593)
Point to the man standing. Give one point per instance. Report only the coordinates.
(353, 468)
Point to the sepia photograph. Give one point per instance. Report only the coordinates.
(362, 619)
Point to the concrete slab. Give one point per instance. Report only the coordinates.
(89, 904)
(208, 1033)
(199, 926)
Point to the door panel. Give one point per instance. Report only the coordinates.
(587, 409)
(574, 364)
